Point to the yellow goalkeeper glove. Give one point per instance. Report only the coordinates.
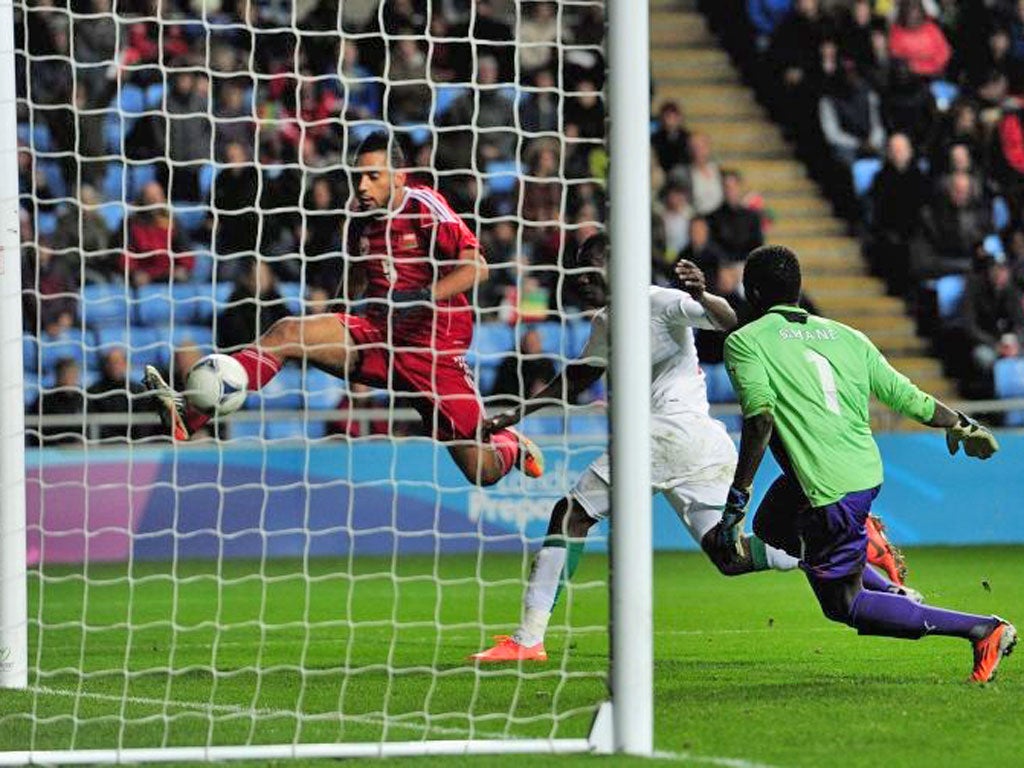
(977, 440)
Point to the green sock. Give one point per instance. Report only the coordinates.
(572, 561)
(758, 554)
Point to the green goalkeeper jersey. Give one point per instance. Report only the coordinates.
(816, 377)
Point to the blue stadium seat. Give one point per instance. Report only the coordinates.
(445, 96)
(138, 177)
(29, 353)
(1008, 375)
(72, 343)
(949, 292)
(37, 136)
(145, 346)
(864, 172)
(283, 392)
(1000, 213)
(112, 215)
(501, 176)
(292, 295)
(543, 425)
(202, 270)
(114, 177)
(190, 217)
(210, 300)
(486, 373)
(154, 97)
(718, 384)
(131, 100)
(491, 342)
(154, 305)
(287, 429)
(588, 424)
(206, 175)
(31, 389)
(944, 93)
(54, 177)
(103, 304)
(245, 430)
(323, 391)
(579, 334)
(554, 338)
(200, 335)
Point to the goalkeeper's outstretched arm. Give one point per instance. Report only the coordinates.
(564, 388)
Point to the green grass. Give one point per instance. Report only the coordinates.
(745, 668)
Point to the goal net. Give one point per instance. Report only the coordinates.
(311, 571)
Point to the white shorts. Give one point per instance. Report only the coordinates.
(696, 483)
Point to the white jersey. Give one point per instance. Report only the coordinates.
(677, 382)
(687, 445)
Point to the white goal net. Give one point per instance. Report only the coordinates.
(313, 570)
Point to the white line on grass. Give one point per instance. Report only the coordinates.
(235, 709)
(724, 762)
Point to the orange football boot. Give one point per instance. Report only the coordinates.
(991, 649)
(882, 553)
(171, 404)
(507, 649)
(531, 458)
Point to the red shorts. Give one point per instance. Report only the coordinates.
(441, 383)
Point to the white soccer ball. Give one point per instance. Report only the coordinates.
(217, 385)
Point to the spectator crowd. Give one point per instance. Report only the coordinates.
(909, 112)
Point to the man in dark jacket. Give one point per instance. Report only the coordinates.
(521, 376)
(115, 393)
(993, 316)
(253, 307)
(64, 399)
(733, 225)
(898, 194)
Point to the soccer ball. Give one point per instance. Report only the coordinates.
(217, 385)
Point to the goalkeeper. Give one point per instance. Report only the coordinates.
(804, 384)
(411, 262)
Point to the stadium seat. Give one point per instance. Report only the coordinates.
(283, 393)
(554, 338)
(501, 176)
(210, 300)
(1008, 376)
(445, 96)
(589, 424)
(154, 305)
(864, 172)
(202, 269)
(131, 100)
(287, 429)
(1000, 213)
(944, 93)
(535, 426)
(719, 386)
(292, 295)
(323, 391)
(29, 353)
(112, 215)
(245, 430)
(206, 176)
(143, 345)
(579, 334)
(491, 342)
(485, 373)
(72, 343)
(138, 177)
(46, 223)
(154, 96)
(113, 186)
(103, 304)
(190, 216)
(37, 136)
(949, 292)
(31, 391)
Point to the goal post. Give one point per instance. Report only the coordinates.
(632, 662)
(308, 581)
(13, 586)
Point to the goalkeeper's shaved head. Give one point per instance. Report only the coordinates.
(771, 276)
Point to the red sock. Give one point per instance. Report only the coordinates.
(261, 366)
(507, 446)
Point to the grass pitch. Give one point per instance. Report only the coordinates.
(747, 670)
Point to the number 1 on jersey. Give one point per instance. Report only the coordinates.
(827, 378)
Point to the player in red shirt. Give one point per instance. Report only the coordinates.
(411, 262)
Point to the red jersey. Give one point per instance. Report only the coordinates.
(409, 249)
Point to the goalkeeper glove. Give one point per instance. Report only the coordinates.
(407, 303)
(977, 440)
(730, 529)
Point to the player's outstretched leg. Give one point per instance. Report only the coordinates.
(323, 341)
(553, 567)
(486, 462)
(835, 558)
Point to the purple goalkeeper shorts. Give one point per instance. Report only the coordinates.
(831, 541)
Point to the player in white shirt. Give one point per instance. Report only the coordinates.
(692, 456)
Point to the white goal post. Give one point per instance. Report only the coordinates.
(64, 706)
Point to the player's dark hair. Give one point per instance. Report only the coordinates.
(594, 246)
(771, 276)
(379, 141)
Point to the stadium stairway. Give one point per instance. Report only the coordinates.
(691, 68)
